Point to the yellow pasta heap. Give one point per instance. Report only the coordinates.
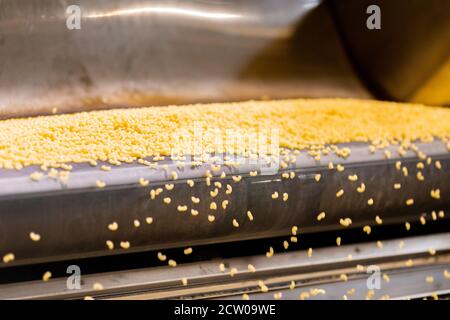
(129, 134)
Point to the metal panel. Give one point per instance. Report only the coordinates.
(72, 217)
(142, 52)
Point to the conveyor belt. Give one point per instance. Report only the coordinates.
(72, 217)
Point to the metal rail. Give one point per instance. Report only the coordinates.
(205, 279)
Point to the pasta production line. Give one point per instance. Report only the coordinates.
(127, 154)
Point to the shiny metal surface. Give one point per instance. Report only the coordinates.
(157, 52)
(73, 216)
(408, 59)
(322, 269)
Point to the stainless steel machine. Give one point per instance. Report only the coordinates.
(143, 53)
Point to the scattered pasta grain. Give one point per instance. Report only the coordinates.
(434, 215)
(125, 244)
(361, 188)
(446, 274)
(409, 263)
(161, 256)
(9, 257)
(143, 182)
(214, 193)
(113, 226)
(100, 184)
(237, 178)
(169, 186)
(195, 200)
(97, 286)
(423, 221)
(225, 204)
(345, 222)
(367, 229)
(172, 263)
(109, 244)
(292, 285)
(321, 216)
(405, 171)
(294, 230)
(435, 194)
(36, 176)
(35, 236)
(420, 176)
(262, 286)
(46, 276)
(270, 253)
(378, 220)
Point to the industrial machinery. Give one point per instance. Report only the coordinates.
(139, 53)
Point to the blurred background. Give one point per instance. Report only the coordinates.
(159, 52)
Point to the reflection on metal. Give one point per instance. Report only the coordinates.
(166, 10)
(167, 52)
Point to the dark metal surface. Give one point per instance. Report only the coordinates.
(408, 59)
(72, 217)
(142, 52)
